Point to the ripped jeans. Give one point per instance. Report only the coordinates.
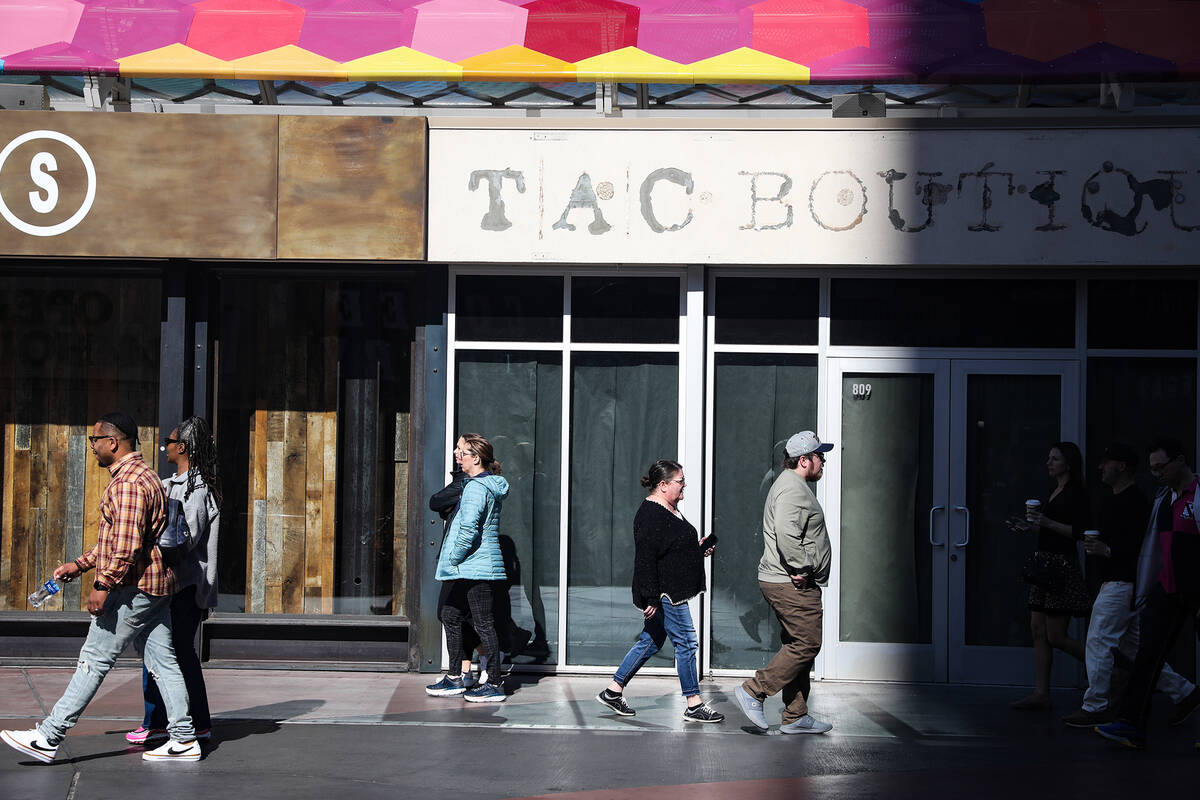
(130, 616)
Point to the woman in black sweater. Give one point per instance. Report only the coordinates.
(668, 570)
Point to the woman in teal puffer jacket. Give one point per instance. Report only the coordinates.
(472, 560)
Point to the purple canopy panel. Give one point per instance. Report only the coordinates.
(692, 30)
(458, 29)
(1087, 63)
(985, 65)
(60, 57)
(806, 31)
(1040, 30)
(922, 34)
(119, 28)
(577, 29)
(344, 30)
(230, 29)
(861, 65)
(1167, 29)
(29, 24)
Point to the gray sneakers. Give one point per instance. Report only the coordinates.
(806, 724)
(752, 707)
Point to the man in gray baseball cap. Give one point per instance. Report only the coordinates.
(794, 567)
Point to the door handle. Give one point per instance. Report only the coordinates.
(967, 537)
(931, 513)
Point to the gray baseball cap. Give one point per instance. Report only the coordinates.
(805, 442)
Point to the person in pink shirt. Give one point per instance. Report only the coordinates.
(1168, 586)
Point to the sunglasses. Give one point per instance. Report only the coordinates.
(163, 446)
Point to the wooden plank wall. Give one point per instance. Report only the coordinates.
(292, 474)
(67, 355)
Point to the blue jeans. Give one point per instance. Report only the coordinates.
(673, 621)
(130, 616)
(186, 617)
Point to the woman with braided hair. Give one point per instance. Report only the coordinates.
(197, 484)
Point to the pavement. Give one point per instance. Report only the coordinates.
(296, 735)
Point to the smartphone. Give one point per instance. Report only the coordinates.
(708, 541)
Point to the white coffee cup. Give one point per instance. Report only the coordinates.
(1032, 507)
(1091, 535)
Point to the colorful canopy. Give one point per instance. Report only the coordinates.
(659, 41)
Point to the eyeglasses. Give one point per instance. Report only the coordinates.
(815, 455)
(94, 439)
(464, 452)
(163, 446)
(1157, 468)
(680, 481)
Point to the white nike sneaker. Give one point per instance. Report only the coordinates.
(174, 751)
(31, 743)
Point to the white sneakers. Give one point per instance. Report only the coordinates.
(34, 745)
(174, 751)
(31, 743)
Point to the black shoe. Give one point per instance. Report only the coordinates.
(702, 713)
(1185, 707)
(616, 702)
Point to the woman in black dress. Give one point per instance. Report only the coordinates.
(1060, 592)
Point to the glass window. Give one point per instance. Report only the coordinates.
(1136, 401)
(758, 402)
(942, 312)
(767, 310)
(893, 425)
(71, 349)
(508, 308)
(313, 404)
(624, 309)
(526, 433)
(1159, 315)
(625, 415)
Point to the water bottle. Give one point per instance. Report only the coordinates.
(44, 592)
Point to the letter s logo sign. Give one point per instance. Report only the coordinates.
(39, 169)
(45, 201)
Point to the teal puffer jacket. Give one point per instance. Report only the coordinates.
(471, 549)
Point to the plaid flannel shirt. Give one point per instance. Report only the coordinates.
(132, 512)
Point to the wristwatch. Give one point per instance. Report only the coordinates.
(100, 587)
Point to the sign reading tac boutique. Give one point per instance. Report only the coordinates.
(816, 197)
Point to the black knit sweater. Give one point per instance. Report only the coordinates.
(667, 557)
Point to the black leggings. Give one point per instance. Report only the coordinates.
(465, 598)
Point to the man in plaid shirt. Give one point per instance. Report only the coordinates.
(129, 602)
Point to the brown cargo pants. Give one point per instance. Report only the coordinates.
(799, 613)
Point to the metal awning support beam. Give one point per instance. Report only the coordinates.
(267, 88)
(103, 93)
(605, 100)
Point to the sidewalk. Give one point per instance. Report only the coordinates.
(356, 736)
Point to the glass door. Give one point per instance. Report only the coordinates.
(886, 499)
(933, 456)
(1005, 415)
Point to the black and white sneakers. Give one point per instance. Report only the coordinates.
(702, 713)
(174, 751)
(616, 702)
(31, 743)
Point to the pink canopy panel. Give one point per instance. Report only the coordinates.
(116, 28)
(679, 41)
(27, 24)
(230, 29)
(344, 30)
(577, 29)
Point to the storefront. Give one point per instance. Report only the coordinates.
(263, 272)
(942, 301)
